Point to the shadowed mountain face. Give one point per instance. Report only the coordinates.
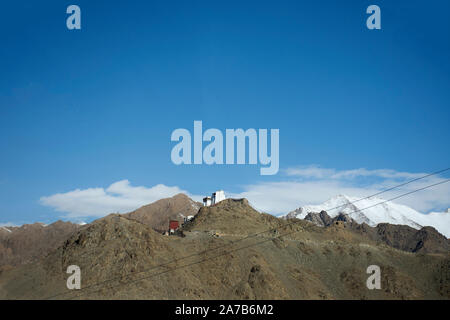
(321, 219)
(157, 214)
(121, 258)
(19, 245)
(425, 240)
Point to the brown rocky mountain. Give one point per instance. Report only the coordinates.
(321, 219)
(425, 240)
(220, 257)
(4, 231)
(158, 213)
(19, 245)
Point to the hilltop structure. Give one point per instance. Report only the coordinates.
(173, 226)
(215, 198)
(207, 201)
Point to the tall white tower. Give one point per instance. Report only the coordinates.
(217, 196)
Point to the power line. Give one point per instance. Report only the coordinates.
(269, 230)
(389, 189)
(233, 242)
(270, 239)
(329, 209)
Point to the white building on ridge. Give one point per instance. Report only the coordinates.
(215, 198)
(207, 201)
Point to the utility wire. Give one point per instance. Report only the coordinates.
(273, 229)
(270, 230)
(233, 242)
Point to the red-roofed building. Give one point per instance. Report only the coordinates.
(173, 226)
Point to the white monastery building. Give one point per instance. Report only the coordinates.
(215, 198)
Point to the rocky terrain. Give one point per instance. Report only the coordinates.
(373, 211)
(157, 214)
(19, 245)
(425, 240)
(231, 251)
(25, 244)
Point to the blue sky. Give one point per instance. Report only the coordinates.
(85, 109)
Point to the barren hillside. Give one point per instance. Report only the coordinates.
(217, 259)
(29, 242)
(158, 213)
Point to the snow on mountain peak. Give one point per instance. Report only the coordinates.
(374, 211)
(5, 229)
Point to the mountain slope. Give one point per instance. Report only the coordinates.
(4, 231)
(122, 258)
(158, 213)
(24, 244)
(425, 240)
(232, 216)
(29, 242)
(388, 212)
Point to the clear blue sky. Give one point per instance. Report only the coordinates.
(87, 108)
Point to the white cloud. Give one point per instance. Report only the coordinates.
(282, 197)
(119, 197)
(300, 186)
(325, 173)
(314, 185)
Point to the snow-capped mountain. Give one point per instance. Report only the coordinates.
(372, 212)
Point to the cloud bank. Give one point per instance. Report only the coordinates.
(119, 197)
(296, 187)
(313, 185)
